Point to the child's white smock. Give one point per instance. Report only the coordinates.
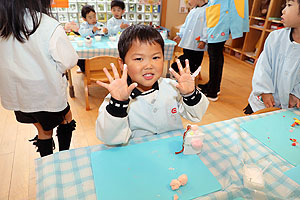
(277, 71)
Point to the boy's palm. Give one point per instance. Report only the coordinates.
(186, 84)
(117, 86)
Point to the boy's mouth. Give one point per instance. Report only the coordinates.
(148, 76)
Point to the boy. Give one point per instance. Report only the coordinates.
(144, 103)
(194, 27)
(276, 78)
(90, 26)
(117, 23)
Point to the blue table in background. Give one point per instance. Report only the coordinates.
(68, 174)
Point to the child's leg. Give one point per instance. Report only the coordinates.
(216, 61)
(64, 132)
(44, 142)
(81, 64)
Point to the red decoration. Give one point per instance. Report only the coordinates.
(184, 134)
(173, 110)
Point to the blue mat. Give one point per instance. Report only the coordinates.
(275, 132)
(145, 170)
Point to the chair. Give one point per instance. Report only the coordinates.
(94, 72)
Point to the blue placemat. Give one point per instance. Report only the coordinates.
(275, 132)
(145, 170)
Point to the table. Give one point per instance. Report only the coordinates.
(105, 47)
(68, 174)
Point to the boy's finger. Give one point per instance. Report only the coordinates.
(124, 74)
(175, 74)
(187, 66)
(179, 66)
(115, 71)
(109, 77)
(131, 87)
(105, 85)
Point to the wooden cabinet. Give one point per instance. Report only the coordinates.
(249, 47)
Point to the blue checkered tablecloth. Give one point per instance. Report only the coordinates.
(105, 47)
(68, 174)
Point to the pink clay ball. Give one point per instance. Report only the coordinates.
(197, 144)
(175, 184)
(183, 179)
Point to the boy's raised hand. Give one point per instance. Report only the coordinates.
(117, 86)
(186, 83)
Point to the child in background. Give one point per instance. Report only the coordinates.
(223, 17)
(193, 28)
(117, 23)
(35, 54)
(90, 26)
(144, 103)
(276, 78)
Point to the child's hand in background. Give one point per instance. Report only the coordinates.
(95, 28)
(186, 83)
(268, 100)
(105, 30)
(117, 86)
(123, 26)
(201, 45)
(294, 101)
(177, 39)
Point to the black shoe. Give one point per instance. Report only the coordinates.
(204, 88)
(211, 97)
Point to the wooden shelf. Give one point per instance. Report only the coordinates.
(251, 45)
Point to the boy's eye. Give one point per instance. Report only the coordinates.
(156, 57)
(138, 59)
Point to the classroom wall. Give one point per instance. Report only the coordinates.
(173, 17)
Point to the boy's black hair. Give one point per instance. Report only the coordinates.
(117, 3)
(141, 33)
(86, 10)
(12, 21)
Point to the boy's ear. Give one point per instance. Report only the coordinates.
(84, 19)
(123, 11)
(121, 63)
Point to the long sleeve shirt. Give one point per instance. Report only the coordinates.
(194, 27)
(32, 73)
(147, 114)
(277, 70)
(113, 25)
(86, 29)
(226, 17)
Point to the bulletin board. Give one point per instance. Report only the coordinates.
(136, 11)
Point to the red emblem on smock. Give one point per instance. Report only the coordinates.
(173, 110)
(222, 34)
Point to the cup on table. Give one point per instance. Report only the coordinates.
(98, 38)
(80, 43)
(88, 42)
(112, 38)
(71, 37)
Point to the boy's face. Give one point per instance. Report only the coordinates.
(117, 12)
(145, 64)
(290, 14)
(90, 18)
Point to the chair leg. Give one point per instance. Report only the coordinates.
(86, 92)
